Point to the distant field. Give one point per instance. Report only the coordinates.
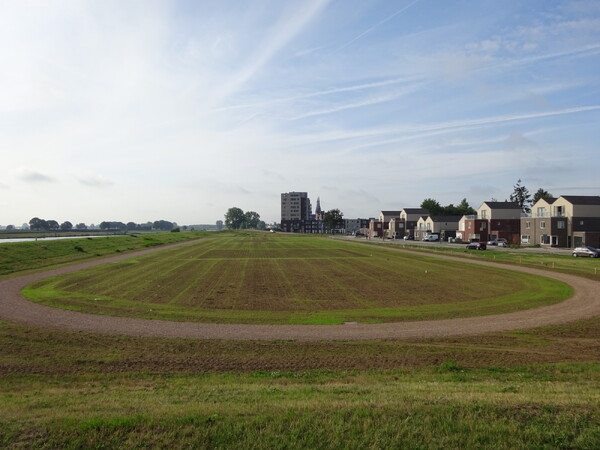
(263, 278)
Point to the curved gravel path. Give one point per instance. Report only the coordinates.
(585, 303)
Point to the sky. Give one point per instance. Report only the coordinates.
(178, 110)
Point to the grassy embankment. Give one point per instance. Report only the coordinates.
(584, 267)
(34, 255)
(528, 389)
(262, 278)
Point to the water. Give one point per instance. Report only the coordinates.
(51, 238)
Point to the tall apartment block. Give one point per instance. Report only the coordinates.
(296, 214)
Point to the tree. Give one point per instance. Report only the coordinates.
(541, 193)
(465, 209)
(37, 224)
(53, 225)
(81, 226)
(251, 219)
(432, 206)
(163, 225)
(234, 218)
(521, 196)
(333, 219)
(66, 226)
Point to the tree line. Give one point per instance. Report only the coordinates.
(37, 224)
(520, 195)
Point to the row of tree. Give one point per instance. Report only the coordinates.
(37, 224)
(237, 219)
(520, 195)
(435, 209)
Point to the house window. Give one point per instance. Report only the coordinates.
(581, 222)
(543, 224)
(469, 225)
(527, 224)
(484, 214)
(545, 239)
(541, 211)
(525, 239)
(560, 224)
(560, 211)
(554, 240)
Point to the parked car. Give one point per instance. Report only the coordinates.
(477, 246)
(408, 237)
(431, 237)
(588, 251)
(500, 242)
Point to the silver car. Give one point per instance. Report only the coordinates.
(586, 251)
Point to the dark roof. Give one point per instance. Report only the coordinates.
(446, 218)
(582, 199)
(503, 205)
(391, 213)
(415, 210)
(549, 200)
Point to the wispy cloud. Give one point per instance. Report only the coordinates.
(94, 181)
(33, 176)
(278, 37)
(370, 101)
(377, 25)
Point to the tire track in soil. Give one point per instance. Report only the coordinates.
(585, 303)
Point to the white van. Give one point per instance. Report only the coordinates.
(431, 237)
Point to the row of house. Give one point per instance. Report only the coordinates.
(566, 221)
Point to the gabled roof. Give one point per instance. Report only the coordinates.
(415, 211)
(502, 205)
(390, 213)
(547, 200)
(446, 218)
(582, 199)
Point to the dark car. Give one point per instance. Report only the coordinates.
(476, 246)
(587, 251)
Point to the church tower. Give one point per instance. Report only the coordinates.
(318, 212)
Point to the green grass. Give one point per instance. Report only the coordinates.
(261, 278)
(438, 407)
(534, 388)
(584, 267)
(26, 256)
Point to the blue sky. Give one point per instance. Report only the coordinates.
(178, 110)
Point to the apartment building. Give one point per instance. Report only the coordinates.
(566, 221)
(296, 212)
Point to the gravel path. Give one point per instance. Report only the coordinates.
(585, 303)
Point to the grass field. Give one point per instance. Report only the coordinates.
(584, 267)
(26, 256)
(264, 278)
(535, 388)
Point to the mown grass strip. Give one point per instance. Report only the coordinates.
(441, 406)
